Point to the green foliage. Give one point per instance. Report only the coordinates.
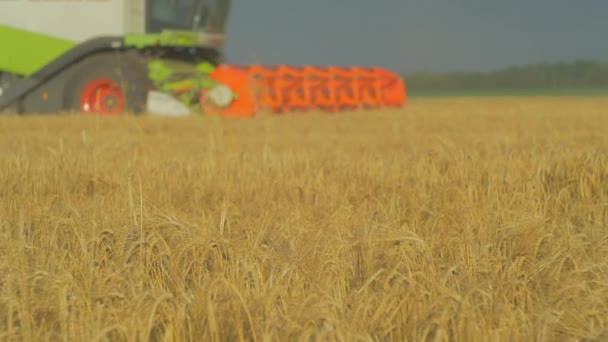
(576, 75)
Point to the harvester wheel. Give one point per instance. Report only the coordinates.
(108, 84)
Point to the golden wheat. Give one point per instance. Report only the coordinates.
(455, 219)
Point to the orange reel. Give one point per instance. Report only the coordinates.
(286, 89)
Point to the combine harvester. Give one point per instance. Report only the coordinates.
(160, 57)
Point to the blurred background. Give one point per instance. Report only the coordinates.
(439, 46)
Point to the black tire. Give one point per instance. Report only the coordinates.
(127, 71)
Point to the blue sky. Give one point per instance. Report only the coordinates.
(411, 35)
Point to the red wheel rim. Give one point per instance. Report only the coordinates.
(102, 96)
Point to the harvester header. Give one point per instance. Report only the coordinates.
(160, 56)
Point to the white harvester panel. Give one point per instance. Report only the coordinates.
(76, 21)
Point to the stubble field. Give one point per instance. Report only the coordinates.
(456, 219)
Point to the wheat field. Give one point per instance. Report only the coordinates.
(452, 220)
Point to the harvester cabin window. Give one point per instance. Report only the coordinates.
(217, 12)
(170, 14)
(190, 15)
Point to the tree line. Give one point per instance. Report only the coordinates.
(592, 74)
